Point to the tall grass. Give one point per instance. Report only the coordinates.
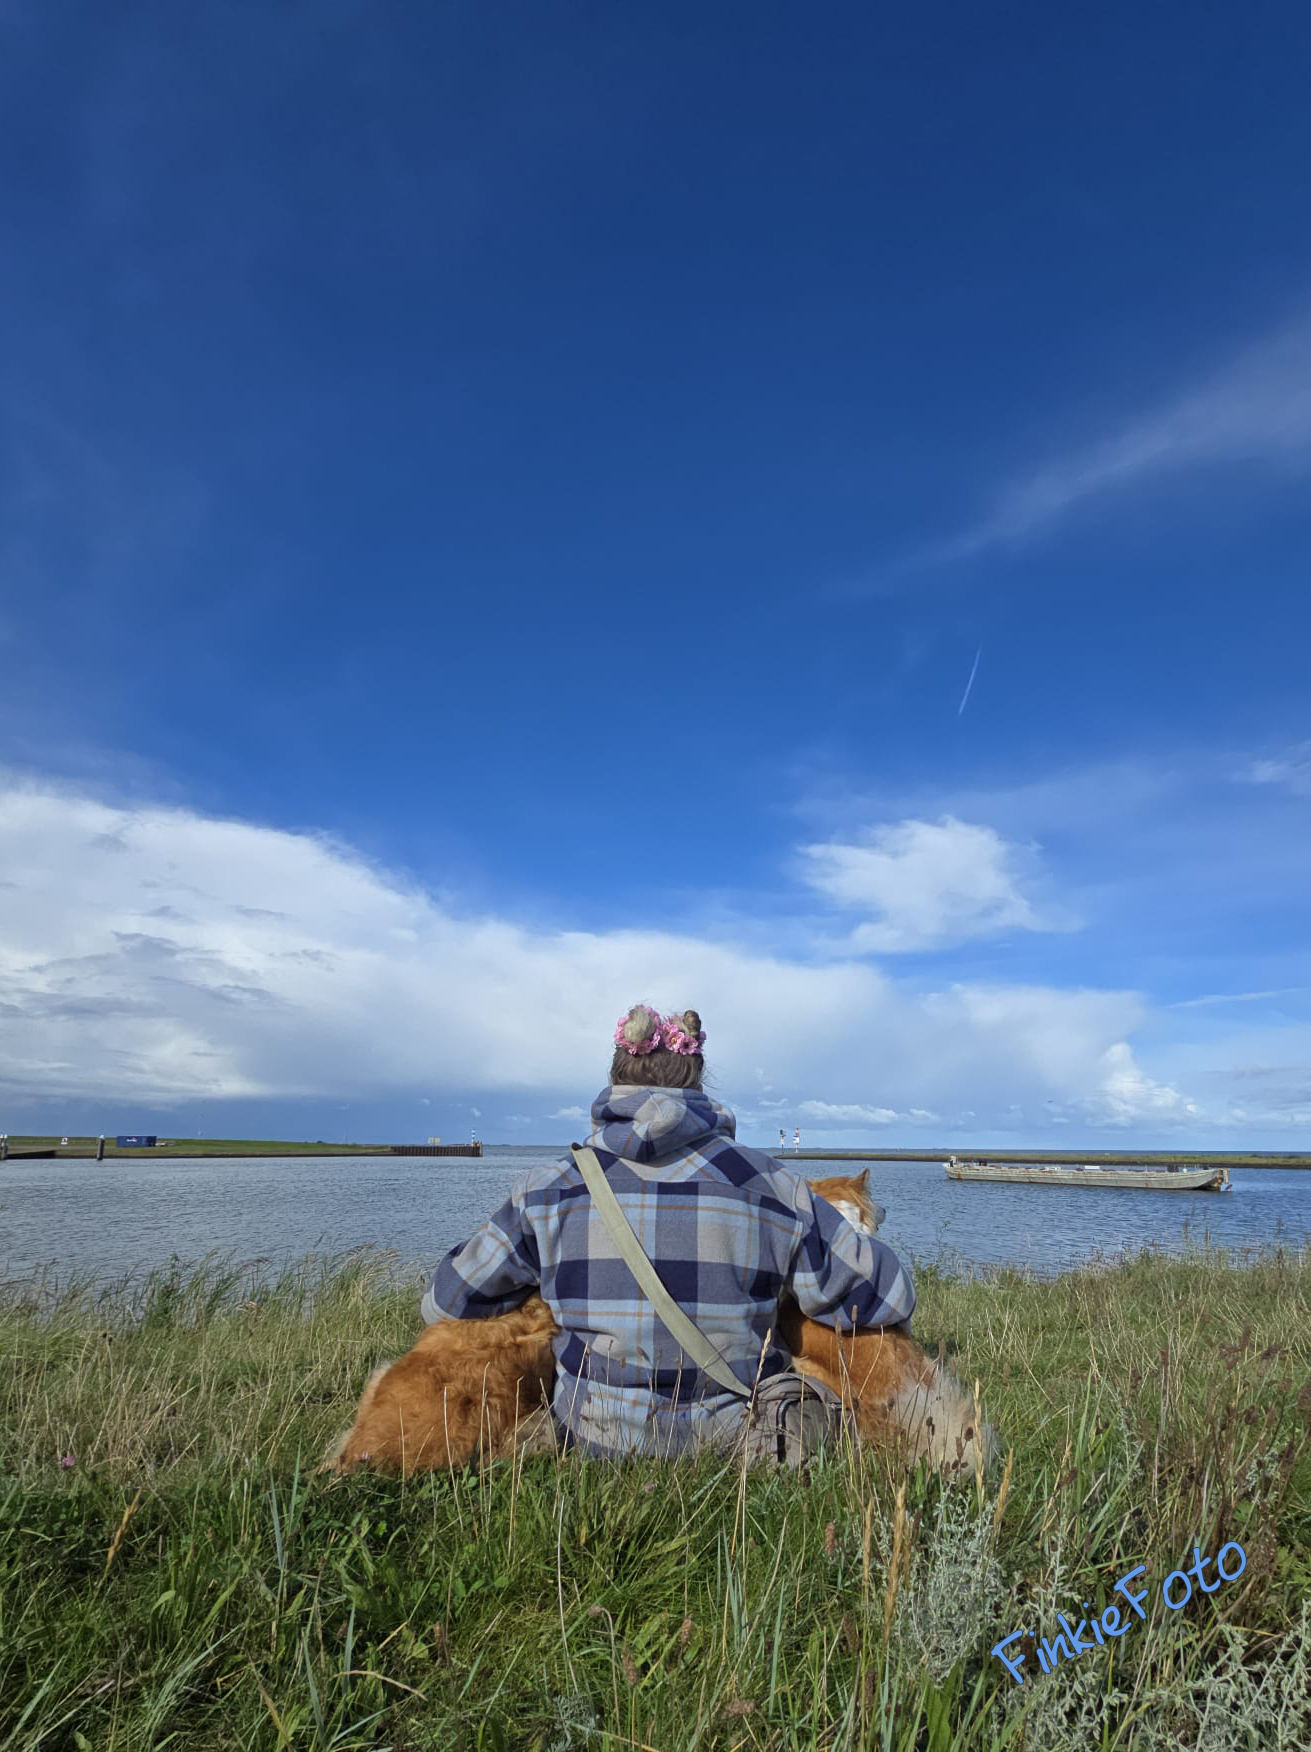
(173, 1572)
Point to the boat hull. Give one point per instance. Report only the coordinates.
(1147, 1179)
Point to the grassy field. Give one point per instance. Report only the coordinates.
(173, 1573)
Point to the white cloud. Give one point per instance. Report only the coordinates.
(1256, 409)
(847, 1113)
(828, 1114)
(1065, 1037)
(1126, 1095)
(569, 1113)
(1290, 770)
(927, 883)
(288, 967)
(280, 973)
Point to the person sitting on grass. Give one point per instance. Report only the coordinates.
(728, 1230)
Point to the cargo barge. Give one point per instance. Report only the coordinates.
(1164, 1179)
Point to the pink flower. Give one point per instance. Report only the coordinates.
(638, 1049)
(68, 1460)
(680, 1041)
(668, 1033)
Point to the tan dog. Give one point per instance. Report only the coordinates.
(482, 1386)
(897, 1393)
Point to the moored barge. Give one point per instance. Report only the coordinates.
(1214, 1179)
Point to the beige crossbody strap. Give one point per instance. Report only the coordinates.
(689, 1335)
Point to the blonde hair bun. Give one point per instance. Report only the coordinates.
(639, 1025)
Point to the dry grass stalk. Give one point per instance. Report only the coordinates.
(117, 1540)
(894, 1563)
(1003, 1492)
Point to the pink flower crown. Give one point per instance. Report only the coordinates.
(668, 1032)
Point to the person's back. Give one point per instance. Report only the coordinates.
(728, 1230)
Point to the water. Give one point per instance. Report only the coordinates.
(108, 1218)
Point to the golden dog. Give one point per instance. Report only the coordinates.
(481, 1387)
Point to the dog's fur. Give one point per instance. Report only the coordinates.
(898, 1395)
(480, 1387)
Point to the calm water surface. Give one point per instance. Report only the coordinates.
(105, 1219)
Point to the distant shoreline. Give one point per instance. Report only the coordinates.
(82, 1148)
(1062, 1158)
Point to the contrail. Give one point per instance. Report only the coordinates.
(970, 683)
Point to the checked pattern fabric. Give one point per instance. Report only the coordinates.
(727, 1228)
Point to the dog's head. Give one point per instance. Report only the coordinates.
(851, 1195)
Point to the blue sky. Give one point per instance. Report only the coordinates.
(499, 512)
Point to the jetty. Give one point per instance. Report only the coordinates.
(1163, 1179)
(473, 1149)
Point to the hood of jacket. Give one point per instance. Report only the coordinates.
(646, 1125)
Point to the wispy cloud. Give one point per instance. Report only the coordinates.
(960, 710)
(1257, 409)
(1290, 770)
(827, 1114)
(847, 1113)
(1210, 999)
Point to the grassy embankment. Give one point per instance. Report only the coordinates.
(172, 1572)
(82, 1146)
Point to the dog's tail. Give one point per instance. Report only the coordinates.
(942, 1422)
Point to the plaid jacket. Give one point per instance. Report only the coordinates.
(728, 1230)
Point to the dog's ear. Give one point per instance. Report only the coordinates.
(864, 1178)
